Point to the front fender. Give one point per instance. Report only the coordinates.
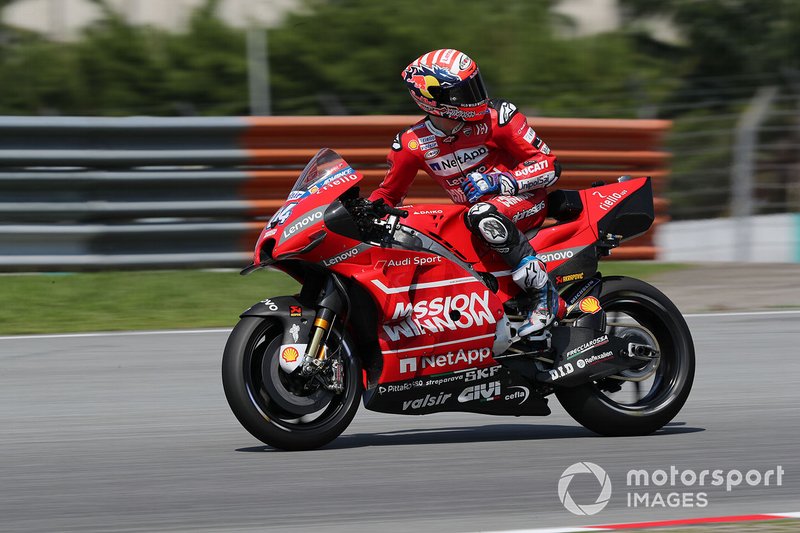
(289, 312)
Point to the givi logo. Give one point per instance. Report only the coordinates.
(484, 391)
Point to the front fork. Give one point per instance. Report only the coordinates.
(329, 306)
(320, 331)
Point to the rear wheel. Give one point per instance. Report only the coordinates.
(280, 409)
(641, 400)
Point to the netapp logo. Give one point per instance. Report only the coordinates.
(453, 163)
(445, 360)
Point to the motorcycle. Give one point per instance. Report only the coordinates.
(406, 310)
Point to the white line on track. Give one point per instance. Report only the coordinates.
(688, 522)
(742, 313)
(227, 330)
(116, 334)
(549, 530)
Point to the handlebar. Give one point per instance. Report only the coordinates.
(380, 208)
(402, 213)
(368, 217)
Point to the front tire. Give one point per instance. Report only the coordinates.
(658, 322)
(250, 354)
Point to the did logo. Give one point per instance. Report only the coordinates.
(584, 467)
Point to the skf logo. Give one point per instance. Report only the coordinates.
(290, 354)
(590, 304)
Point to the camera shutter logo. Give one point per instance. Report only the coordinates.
(584, 467)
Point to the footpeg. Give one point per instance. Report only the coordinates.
(533, 347)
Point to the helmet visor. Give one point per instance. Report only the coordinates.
(468, 93)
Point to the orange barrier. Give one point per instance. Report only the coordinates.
(588, 150)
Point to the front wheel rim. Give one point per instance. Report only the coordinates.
(261, 340)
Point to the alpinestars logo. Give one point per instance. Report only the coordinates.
(396, 144)
(493, 230)
(505, 113)
(528, 212)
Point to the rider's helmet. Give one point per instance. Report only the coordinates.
(447, 83)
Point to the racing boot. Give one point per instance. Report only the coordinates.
(532, 276)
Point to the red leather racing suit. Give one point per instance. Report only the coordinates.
(501, 142)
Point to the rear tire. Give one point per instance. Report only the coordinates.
(250, 347)
(591, 407)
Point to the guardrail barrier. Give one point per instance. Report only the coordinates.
(141, 192)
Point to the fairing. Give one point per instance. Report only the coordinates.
(437, 310)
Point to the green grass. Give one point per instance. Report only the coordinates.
(117, 301)
(132, 300)
(638, 269)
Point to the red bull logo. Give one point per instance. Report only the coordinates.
(423, 83)
(424, 78)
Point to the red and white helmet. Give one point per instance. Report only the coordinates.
(447, 83)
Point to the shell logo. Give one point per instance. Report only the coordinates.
(413, 144)
(590, 304)
(290, 354)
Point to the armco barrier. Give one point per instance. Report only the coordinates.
(140, 192)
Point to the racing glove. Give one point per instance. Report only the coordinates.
(477, 185)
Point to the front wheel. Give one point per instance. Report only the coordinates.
(262, 396)
(641, 400)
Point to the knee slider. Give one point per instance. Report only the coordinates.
(496, 229)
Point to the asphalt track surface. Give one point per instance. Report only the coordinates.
(132, 433)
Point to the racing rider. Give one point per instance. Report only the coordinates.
(482, 152)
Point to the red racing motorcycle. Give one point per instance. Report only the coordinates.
(407, 310)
